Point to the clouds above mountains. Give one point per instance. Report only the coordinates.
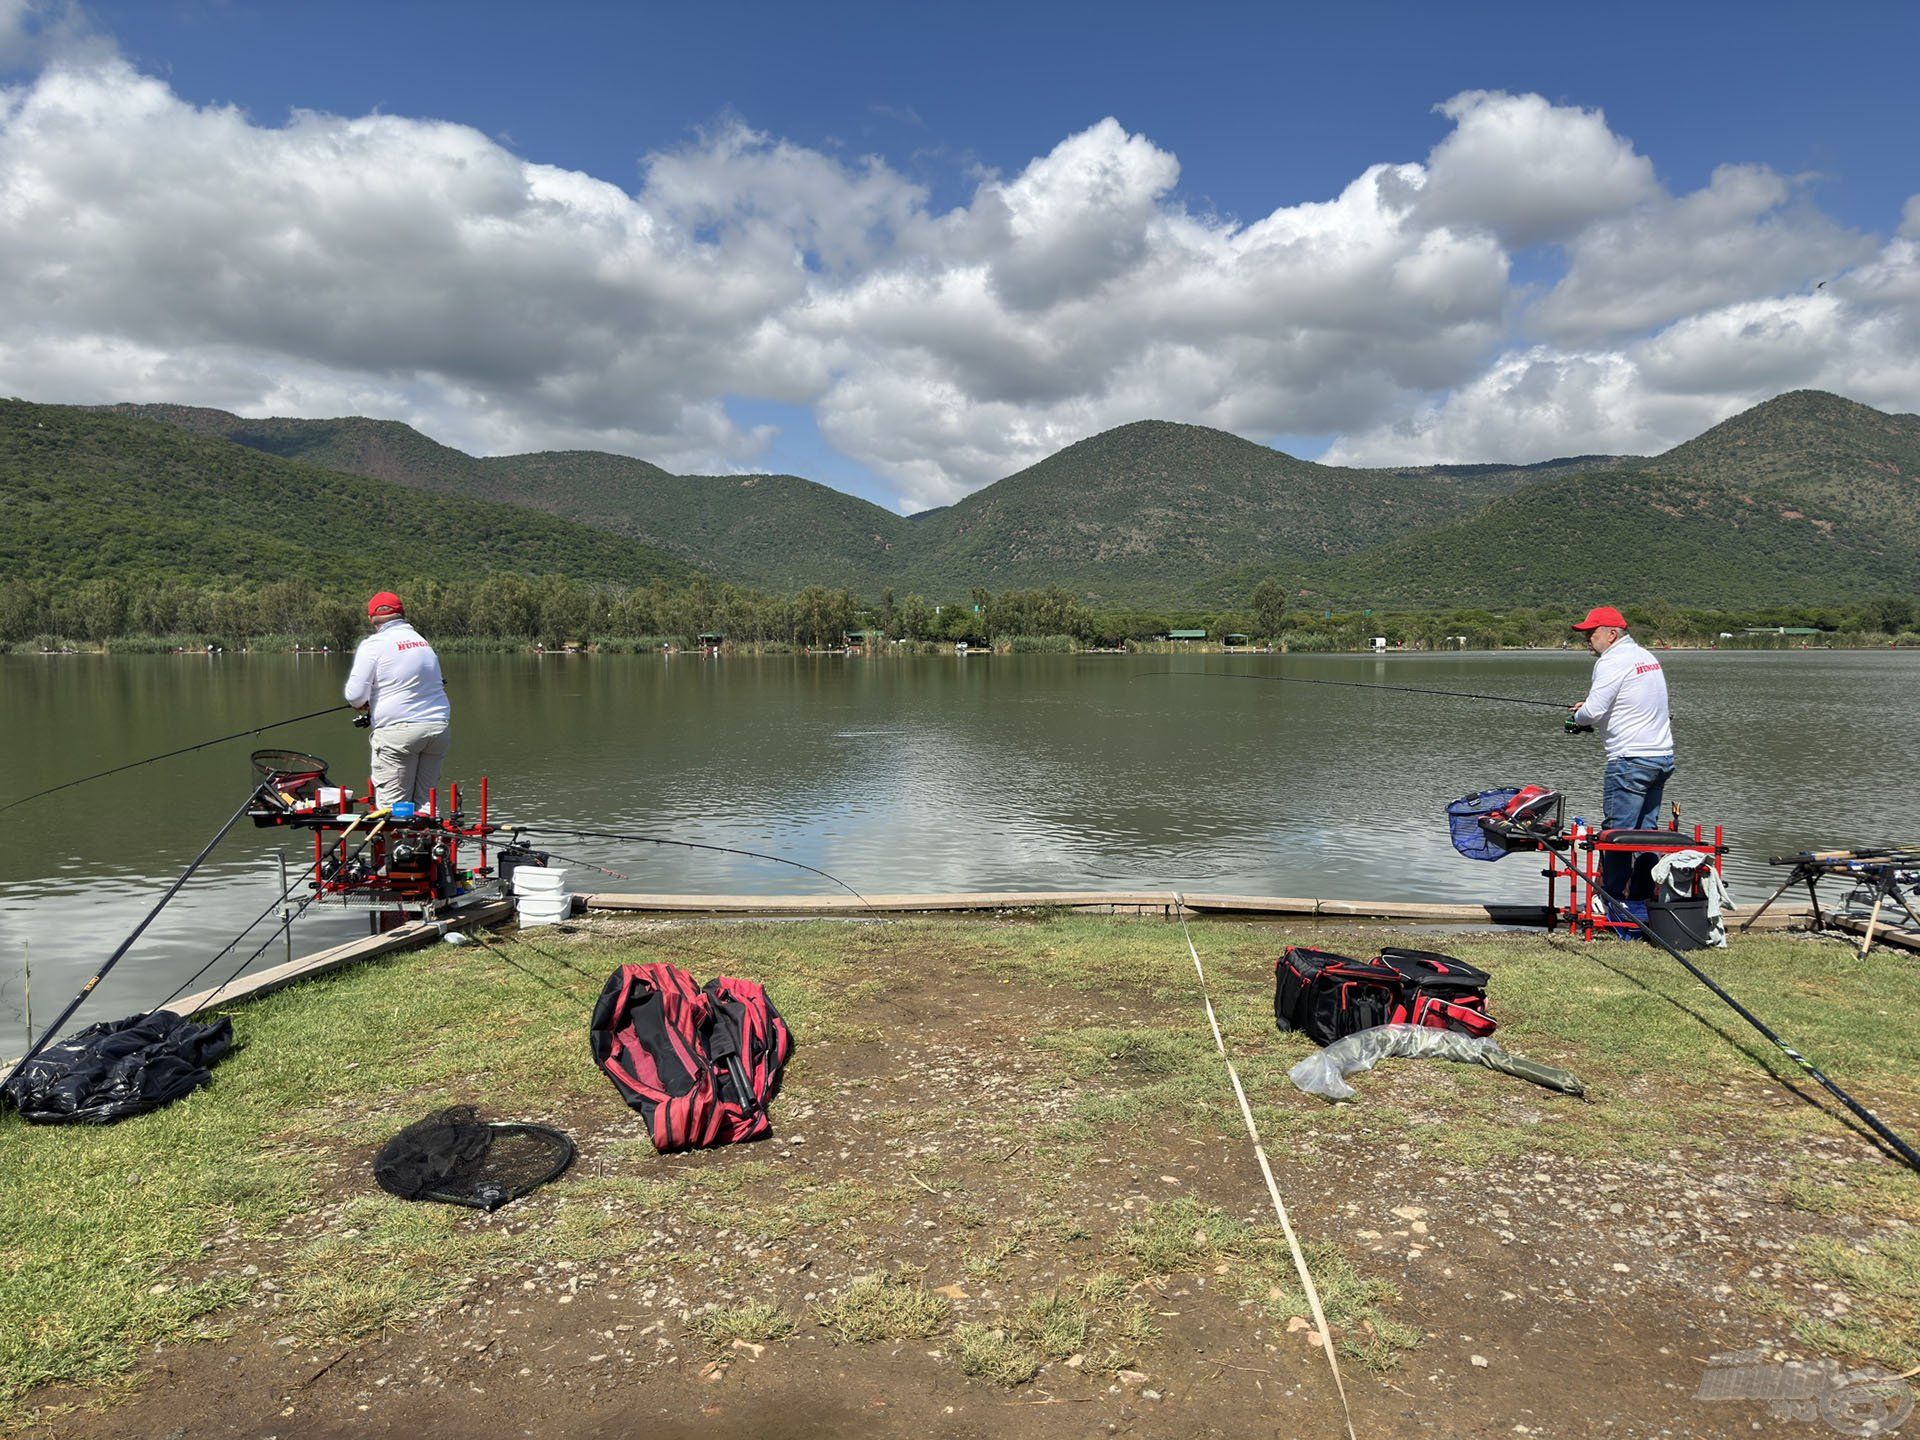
(153, 249)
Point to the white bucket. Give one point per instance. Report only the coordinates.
(537, 880)
(544, 909)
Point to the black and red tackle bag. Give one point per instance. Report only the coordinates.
(1327, 996)
(1439, 992)
(700, 1065)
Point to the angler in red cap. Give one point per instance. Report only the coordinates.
(396, 679)
(1627, 704)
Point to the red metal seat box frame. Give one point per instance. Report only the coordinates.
(1578, 861)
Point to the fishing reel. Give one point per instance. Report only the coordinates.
(363, 720)
(1574, 727)
(351, 871)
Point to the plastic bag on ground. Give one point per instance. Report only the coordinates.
(1325, 1072)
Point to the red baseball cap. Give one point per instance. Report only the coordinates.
(387, 604)
(1596, 617)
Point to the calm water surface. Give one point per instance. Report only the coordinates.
(933, 774)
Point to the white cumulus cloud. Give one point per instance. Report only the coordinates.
(1530, 170)
(153, 249)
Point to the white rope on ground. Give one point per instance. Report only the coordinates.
(1273, 1189)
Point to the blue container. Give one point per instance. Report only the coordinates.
(403, 810)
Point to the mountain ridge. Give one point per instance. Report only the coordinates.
(90, 494)
(1805, 496)
(1068, 519)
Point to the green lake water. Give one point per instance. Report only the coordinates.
(932, 774)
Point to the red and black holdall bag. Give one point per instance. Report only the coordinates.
(1328, 996)
(700, 1065)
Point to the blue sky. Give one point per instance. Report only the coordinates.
(1259, 109)
(1259, 101)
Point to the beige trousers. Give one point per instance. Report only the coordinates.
(406, 761)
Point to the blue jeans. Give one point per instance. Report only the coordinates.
(1634, 785)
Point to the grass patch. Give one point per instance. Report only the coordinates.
(991, 1354)
(1184, 1237)
(1882, 1278)
(1881, 1191)
(883, 1307)
(114, 1240)
(758, 1322)
(1054, 1324)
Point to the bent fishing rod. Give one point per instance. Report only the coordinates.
(170, 754)
(519, 830)
(1358, 685)
(1899, 1146)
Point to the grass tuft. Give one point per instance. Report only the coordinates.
(993, 1355)
(757, 1322)
(883, 1307)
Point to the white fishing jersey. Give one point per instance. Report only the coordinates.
(396, 671)
(1628, 701)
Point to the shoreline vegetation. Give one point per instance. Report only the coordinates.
(507, 613)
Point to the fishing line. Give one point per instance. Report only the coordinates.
(519, 830)
(281, 899)
(240, 969)
(538, 979)
(1266, 1170)
(183, 750)
(234, 943)
(1358, 685)
(1899, 1146)
(53, 1030)
(588, 864)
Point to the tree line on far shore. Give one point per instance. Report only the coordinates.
(511, 610)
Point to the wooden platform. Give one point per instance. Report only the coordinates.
(1104, 902)
(404, 937)
(1897, 936)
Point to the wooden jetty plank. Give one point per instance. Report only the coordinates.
(1900, 937)
(403, 937)
(1156, 900)
(1138, 901)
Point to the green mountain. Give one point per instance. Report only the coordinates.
(776, 531)
(1145, 511)
(93, 494)
(1154, 509)
(1806, 498)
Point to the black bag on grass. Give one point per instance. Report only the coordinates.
(1328, 996)
(119, 1068)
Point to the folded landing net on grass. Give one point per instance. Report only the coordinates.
(459, 1159)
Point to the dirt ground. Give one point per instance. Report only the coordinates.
(1552, 1297)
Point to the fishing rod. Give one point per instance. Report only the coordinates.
(519, 830)
(276, 903)
(1359, 685)
(53, 1030)
(1900, 1147)
(183, 750)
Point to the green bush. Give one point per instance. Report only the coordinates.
(1036, 644)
